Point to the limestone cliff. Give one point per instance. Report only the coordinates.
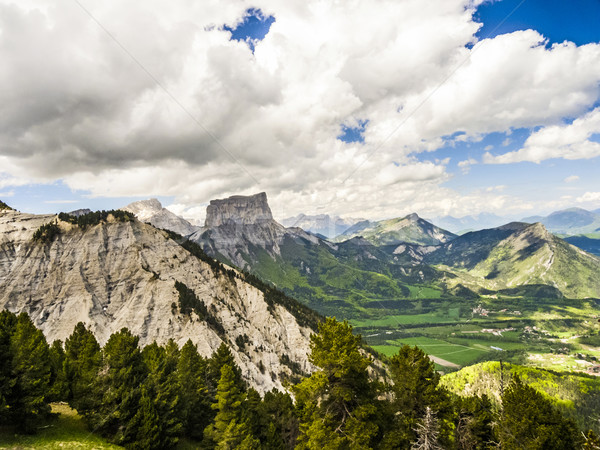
(152, 211)
(122, 274)
(236, 226)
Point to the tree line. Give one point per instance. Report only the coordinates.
(152, 397)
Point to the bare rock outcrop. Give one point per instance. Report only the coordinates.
(122, 274)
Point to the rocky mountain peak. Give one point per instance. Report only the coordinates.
(153, 212)
(413, 217)
(238, 209)
(144, 208)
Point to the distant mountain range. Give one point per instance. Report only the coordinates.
(461, 225)
(321, 224)
(572, 221)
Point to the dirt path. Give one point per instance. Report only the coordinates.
(443, 362)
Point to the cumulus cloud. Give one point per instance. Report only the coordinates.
(571, 179)
(195, 115)
(589, 197)
(571, 141)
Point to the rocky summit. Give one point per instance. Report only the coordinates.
(238, 210)
(152, 211)
(124, 273)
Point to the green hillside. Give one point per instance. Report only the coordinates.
(576, 395)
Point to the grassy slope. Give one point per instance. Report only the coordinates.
(65, 431)
(576, 395)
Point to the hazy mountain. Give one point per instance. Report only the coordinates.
(460, 225)
(410, 229)
(119, 273)
(152, 211)
(519, 254)
(322, 224)
(570, 221)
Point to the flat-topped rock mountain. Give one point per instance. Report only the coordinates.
(123, 273)
(239, 210)
(152, 211)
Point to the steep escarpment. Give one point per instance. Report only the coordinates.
(152, 211)
(118, 274)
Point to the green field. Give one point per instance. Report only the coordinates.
(66, 431)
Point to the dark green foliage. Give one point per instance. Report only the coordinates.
(4, 206)
(222, 357)
(59, 390)
(83, 359)
(194, 402)
(415, 388)
(188, 301)
(119, 388)
(338, 402)
(530, 421)
(8, 324)
(158, 419)
(46, 233)
(474, 422)
(230, 429)
(94, 218)
(279, 426)
(31, 372)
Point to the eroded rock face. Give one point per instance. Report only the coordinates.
(116, 275)
(152, 211)
(239, 209)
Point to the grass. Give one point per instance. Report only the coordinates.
(66, 431)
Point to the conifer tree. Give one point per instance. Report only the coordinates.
(119, 388)
(157, 421)
(338, 402)
(474, 423)
(221, 357)
(8, 323)
(83, 359)
(31, 374)
(229, 429)
(414, 389)
(278, 421)
(59, 387)
(195, 407)
(530, 421)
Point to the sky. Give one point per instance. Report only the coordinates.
(371, 109)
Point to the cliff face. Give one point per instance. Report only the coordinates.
(152, 211)
(239, 210)
(235, 227)
(116, 274)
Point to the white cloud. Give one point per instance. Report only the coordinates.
(589, 197)
(81, 110)
(570, 141)
(571, 179)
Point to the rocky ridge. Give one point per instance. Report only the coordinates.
(152, 211)
(122, 274)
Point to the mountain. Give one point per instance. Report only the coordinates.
(410, 229)
(587, 244)
(570, 221)
(516, 255)
(334, 279)
(460, 225)
(114, 271)
(152, 211)
(322, 224)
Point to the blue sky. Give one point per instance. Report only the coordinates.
(364, 112)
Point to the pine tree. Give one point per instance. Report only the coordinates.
(157, 421)
(530, 421)
(31, 373)
(414, 389)
(119, 388)
(229, 430)
(474, 423)
(195, 407)
(278, 421)
(83, 359)
(338, 402)
(221, 357)
(59, 390)
(8, 324)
